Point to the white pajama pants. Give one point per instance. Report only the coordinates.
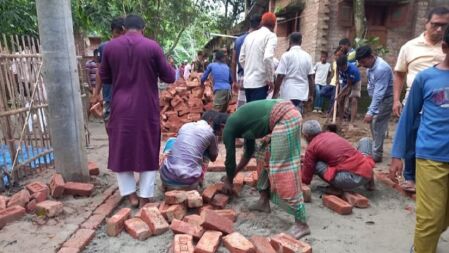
(127, 183)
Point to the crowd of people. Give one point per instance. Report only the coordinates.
(271, 103)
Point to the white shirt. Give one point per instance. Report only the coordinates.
(321, 72)
(256, 58)
(296, 65)
(187, 70)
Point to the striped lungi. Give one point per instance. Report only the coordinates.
(281, 167)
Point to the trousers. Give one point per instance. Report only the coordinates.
(127, 183)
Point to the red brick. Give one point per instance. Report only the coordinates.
(69, 250)
(137, 228)
(147, 205)
(39, 196)
(194, 219)
(181, 227)
(109, 205)
(194, 199)
(213, 221)
(220, 200)
(93, 222)
(307, 193)
(262, 244)
(78, 189)
(211, 190)
(115, 224)
(384, 178)
(31, 206)
(287, 244)
(37, 187)
(175, 197)
(251, 178)
(356, 199)
(228, 213)
(337, 204)
(3, 202)
(154, 219)
(56, 186)
(49, 208)
(11, 214)
(175, 212)
(183, 244)
(239, 179)
(93, 169)
(21, 198)
(209, 242)
(237, 243)
(205, 207)
(80, 239)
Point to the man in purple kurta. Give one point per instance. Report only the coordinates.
(133, 64)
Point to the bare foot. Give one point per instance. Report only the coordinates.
(133, 200)
(370, 186)
(143, 201)
(299, 230)
(260, 206)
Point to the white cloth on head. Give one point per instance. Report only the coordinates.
(296, 66)
(127, 183)
(256, 58)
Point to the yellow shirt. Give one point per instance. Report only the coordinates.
(417, 55)
(334, 71)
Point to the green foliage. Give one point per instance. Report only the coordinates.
(375, 44)
(18, 17)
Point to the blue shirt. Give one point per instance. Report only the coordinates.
(430, 94)
(380, 84)
(221, 75)
(238, 46)
(352, 73)
(107, 87)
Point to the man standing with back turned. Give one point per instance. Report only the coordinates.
(133, 64)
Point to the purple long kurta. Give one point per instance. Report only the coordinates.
(133, 63)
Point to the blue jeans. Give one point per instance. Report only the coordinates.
(256, 94)
(328, 92)
(318, 105)
(410, 156)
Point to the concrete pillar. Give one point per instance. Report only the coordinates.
(61, 80)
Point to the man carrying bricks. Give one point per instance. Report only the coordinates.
(335, 160)
(281, 180)
(429, 100)
(416, 55)
(133, 64)
(188, 154)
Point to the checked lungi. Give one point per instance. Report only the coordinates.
(278, 158)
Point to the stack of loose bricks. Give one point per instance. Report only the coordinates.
(33, 199)
(185, 101)
(208, 225)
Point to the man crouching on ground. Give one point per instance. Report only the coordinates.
(335, 160)
(281, 180)
(188, 155)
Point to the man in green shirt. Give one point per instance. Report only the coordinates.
(280, 180)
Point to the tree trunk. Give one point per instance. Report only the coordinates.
(359, 18)
(175, 43)
(226, 8)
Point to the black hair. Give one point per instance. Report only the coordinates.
(344, 42)
(342, 61)
(134, 22)
(439, 11)
(446, 36)
(296, 38)
(254, 22)
(218, 119)
(219, 55)
(363, 52)
(325, 53)
(117, 24)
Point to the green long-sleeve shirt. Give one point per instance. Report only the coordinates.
(251, 121)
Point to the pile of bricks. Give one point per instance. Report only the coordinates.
(185, 101)
(33, 199)
(343, 204)
(200, 223)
